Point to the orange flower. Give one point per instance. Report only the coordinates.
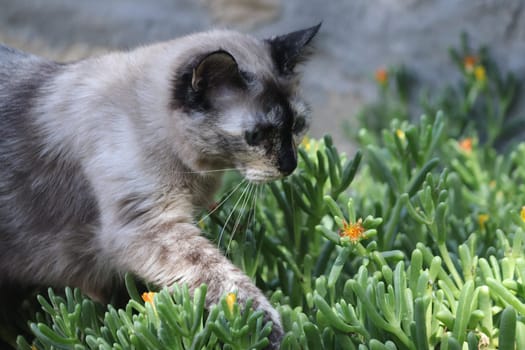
(230, 300)
(469, 62)
(466, 145)
(148, 297)
(381, 76)
(353, 231)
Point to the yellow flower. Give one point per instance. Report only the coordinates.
(230, 300)
(381, 76)
(469, 62)
(522, 213)
(466, 145)
(482, 219)
(353, 231)
(148, 297)
(306, 143)
(480, 74)
(400, 134)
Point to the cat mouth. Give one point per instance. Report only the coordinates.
(261, 176)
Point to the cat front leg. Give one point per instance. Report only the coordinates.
(177, 253)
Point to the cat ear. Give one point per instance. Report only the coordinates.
(289, 49)
(218, 68)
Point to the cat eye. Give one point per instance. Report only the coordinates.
(257, 135)
(254, 137)
(299, 125)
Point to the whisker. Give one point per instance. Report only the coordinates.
(256, 197)
(254, 206)
(207, 171)
(255, 201)
(241, 213)
(231, 213)
(243, 208)
(221, 203)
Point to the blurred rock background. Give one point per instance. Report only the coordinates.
(357, 36)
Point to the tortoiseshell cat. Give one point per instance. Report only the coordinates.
(104, 161)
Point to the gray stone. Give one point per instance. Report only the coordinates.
(244, 14)
(357, 36)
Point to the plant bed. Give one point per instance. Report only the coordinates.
(414, 242)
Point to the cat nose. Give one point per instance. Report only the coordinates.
(287, 162)
(287, 167)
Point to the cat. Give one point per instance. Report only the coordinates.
(104, 161)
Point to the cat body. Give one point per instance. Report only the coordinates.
(104, 161)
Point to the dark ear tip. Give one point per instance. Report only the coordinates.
(313, 30)
(316, 28)
(289, 49)
(309, 33)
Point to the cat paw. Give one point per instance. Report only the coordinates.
(270, 314)
(275, 337)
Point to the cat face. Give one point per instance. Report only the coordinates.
(241, 106)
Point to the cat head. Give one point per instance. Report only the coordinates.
(236, 99)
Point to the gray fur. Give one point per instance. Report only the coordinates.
(103, 161)
(41, 195)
